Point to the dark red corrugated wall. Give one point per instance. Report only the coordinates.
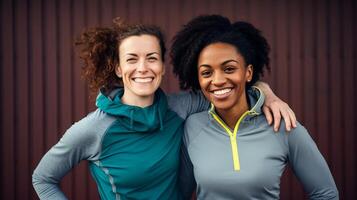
(314, 65)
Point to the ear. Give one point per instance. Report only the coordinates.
(118, 71)
(249, 73)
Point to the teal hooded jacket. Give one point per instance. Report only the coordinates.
(133, 152)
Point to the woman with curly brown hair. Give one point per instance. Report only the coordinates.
(132, 141)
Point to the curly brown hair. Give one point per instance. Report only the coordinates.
(99, 49)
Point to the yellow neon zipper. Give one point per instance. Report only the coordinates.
(232, 136)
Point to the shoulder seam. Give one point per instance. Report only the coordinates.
(105, 133)
(198, 134)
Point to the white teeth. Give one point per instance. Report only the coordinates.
(143, 80)
(220, 92)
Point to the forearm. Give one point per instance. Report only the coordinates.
(55, 164)
(265, 88)
(47, 190)
(46, 178)
(188, 103)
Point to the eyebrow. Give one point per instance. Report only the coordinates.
(131, 54)
(149, 54)
(228, 61)
(225, 62)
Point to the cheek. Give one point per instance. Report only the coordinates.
(204, 87)
(240, 77)
(201, 81)
(158, 69)
(122, 62)
(124, 67)
(206, 94)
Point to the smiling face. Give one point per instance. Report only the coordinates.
(222, 74)
(141, 68)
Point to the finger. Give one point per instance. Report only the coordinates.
(277, 119)
(287, 119)
(292, 118)
(268, 115)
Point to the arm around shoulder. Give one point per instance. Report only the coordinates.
(275, 109)
(187, 103)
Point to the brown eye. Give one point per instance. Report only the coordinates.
(206, 73)
(131, 60)
(152, 59)
(229, 69)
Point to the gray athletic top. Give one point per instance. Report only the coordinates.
(250, 164)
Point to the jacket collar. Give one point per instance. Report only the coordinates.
(256, 101)
(134, 118)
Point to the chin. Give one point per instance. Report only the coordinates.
(222, 105)
(146, 92)
(222, 108)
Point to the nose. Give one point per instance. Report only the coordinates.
(142, 67)
(218, 79)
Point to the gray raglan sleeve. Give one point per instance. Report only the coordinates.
(187, 183)
(187, 103)
(80, 142)
(309, 165)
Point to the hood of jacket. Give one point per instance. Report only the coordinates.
(134, 118)
(256, 100)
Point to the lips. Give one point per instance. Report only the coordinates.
(143, 79)
(221, 93)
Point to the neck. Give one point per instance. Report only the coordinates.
(140, 102)
(232, 115)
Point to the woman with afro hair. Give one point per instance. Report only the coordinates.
(230, 151)
(132, 141)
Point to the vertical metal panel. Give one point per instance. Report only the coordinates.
(174, 23)
(121, 9)
(295, 55)
(1, 94)
(21, 101)
(308, 67)
(295, 62)
(8, 101)
(134, 11)
(281, 44)
(242, 10)
(161, 10)
(334, 92)
(107, 12)
(313, 62)
(187, 10)
(200, 7)
(64, 76)
(88, 16)
(281, 74)
(51, 73)
(321, 77)
(348, 67)
(36, 64)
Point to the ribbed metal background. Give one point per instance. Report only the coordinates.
(314, 65)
